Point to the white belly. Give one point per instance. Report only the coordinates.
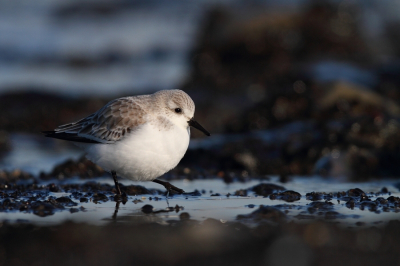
(143, 155)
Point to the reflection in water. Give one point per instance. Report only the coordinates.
(114, 216)
(147, 213)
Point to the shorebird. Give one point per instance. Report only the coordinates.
(137, 137)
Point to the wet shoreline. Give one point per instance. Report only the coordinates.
(69, 226)
(300, 200)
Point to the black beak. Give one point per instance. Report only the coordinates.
(194, 124)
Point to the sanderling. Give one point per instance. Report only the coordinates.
(138, 137)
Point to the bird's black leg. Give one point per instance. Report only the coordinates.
(168, 186)
(114, 217)
(114, 175)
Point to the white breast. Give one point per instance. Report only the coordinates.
(144, 154)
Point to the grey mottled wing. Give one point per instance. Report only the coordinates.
(111, 123)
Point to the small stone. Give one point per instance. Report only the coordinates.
(83, 200)
(147, 208)
(184, 216)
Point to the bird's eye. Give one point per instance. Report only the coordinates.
(178, 110)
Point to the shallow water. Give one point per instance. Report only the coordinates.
(223, 208)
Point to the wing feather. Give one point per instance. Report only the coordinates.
(111, 123)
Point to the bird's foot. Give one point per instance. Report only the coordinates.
(174, 188)
(169, 187)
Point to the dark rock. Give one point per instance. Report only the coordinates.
(384, 190)
(65, 201)
(83, 200)
(371, 205)
(266, 189)
(99, 197)
(76, 195)
(24, 207)
(184, 216)
(356, 192)
(53, 187)
(8, 204)
(288, 196)
(147, 208)
(381, 201)
(42, 209)
(314, 196)
(395, 200)
(241, 193)
(15, 194)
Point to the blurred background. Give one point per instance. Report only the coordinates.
(287, 88)
(291, 87)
